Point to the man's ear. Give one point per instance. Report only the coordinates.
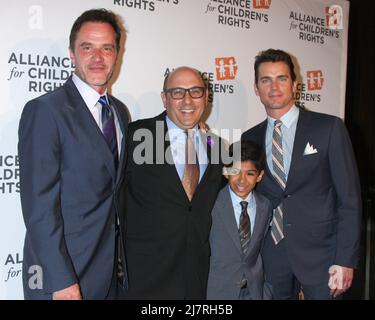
(225, 172)
(72, 56)
(294, 87)
(164, 99)
(256, 89)
(260, 176)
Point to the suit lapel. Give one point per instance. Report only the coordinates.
(299, 144)
(261, 218)
(226, 213)
(170, 167)
(86, 122)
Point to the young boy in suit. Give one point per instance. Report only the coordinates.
(240, 219)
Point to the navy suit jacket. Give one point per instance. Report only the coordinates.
(322, 201)
(228, 264)
(68, 195)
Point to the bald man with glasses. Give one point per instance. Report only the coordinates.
(169, 197)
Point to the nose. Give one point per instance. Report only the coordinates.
(241, 178)
(274, 85)
(187, 98)
(97, 54)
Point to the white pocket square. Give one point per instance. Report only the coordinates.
(309, 149)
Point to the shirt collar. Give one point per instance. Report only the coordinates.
(236, 199)
(174, 131)
(287, 119)
(89, 95)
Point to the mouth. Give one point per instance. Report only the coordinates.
(187, 111)
(241, 188)
(97, 68)
(275, 96)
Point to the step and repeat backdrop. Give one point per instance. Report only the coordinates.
(218, 37)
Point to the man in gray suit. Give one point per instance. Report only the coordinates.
(240, 219)
(312, 181)
(71, 150)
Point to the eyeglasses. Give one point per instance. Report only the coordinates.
(179, 93)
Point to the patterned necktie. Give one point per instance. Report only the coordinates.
(245, 227)
(279, 174)
(109, 129)
(109, 132)
(190, 179)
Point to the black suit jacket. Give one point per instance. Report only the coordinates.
(167, 236)
(68, 194)
(322, 201)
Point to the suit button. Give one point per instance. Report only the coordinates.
(287, 196)
(190, 208)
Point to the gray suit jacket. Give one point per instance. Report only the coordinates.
(68, 195)
(228, 264)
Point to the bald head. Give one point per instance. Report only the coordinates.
(169, 77)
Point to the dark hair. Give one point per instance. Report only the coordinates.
(274, 55)
(170, 72)
(96, 15)
(250, 151)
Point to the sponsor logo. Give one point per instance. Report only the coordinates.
(9, 174)
(238, 13)
(314, 80)
(334, 17)
(226, 68)
(13, 262)
(309, 92)
(145, 5)
(315, 29)
(43, 73)
(261, 4)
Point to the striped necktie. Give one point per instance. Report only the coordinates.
(279, 174)
(244, 227)
(109, 129)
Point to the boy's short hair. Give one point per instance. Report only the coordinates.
(247, 151)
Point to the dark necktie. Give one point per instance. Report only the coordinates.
(245, 227)
(190, 179)
(109, 132)
(280, 176)
(109, 129)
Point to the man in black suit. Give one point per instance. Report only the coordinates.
(71, 150)
(311, 178)
(168, 207)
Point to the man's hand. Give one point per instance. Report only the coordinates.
(70, 293)
(340, 279)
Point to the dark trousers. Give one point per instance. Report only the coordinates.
(116, 290)
(279, 274)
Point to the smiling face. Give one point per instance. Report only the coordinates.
(243, 177)
(186, 112)
(275, 88)
(95, 54)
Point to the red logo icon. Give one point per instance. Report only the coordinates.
(261, 4)
(315, 80)
(334, 17)
(226, 68)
